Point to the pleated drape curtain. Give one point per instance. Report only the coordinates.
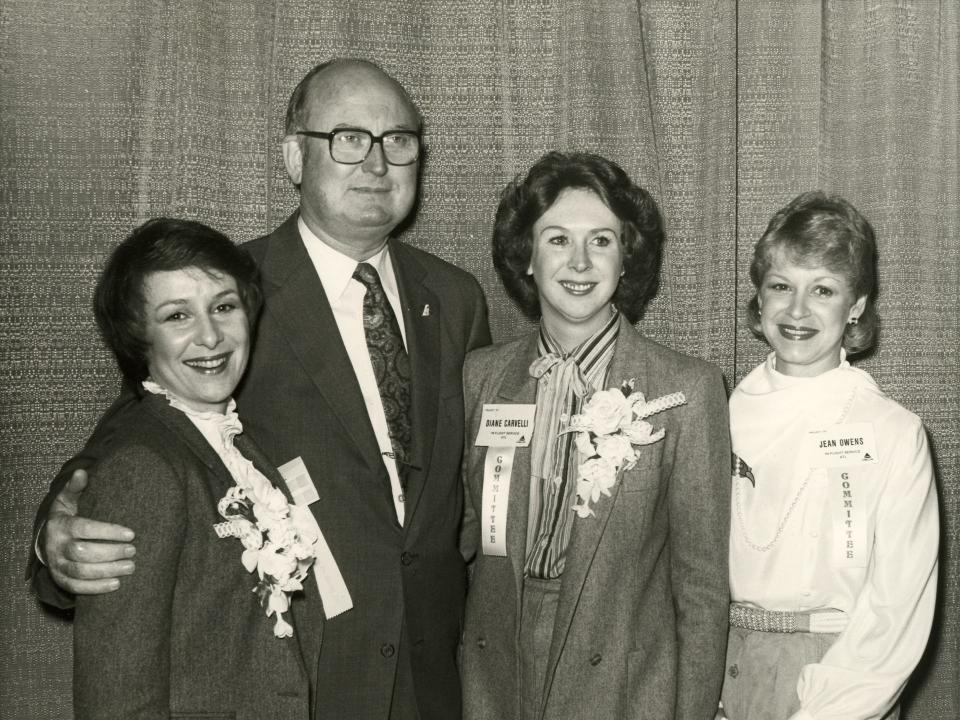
(116, 111)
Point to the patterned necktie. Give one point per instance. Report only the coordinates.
(391, 365)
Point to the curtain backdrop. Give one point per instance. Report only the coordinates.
(115, 111)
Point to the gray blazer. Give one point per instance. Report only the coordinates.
(641, 625)
(184, 636)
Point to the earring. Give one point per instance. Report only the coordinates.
(853, 321)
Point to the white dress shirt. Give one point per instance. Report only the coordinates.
(787, 544)
(345, 296)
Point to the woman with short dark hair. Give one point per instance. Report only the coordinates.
(188, 634)
(834, 530)
(523, 203)
(595, 473)
(162, 245)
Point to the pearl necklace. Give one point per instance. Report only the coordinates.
(796, 498)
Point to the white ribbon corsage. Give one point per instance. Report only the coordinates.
(274, 545)
(608, 429)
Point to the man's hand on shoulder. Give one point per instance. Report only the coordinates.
(84, 557)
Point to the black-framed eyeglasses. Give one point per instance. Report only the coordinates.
(350, 146)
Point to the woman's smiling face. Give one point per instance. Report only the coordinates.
(576, 263)
(803, 313)
(197, 334)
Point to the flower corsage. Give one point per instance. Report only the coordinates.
(608, 429)
(275, 544)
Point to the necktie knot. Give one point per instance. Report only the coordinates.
(367, 276)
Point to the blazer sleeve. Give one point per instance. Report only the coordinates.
(479, 337)
(122, 639)
(699, 504)
(38, 573)
(470, 526)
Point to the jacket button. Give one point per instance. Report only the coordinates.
(406, 558)
(595, 660)
(733, 671)
(481, 643)
(387, 650)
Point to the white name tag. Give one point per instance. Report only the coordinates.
(299, 482)
(844, 445)
(333, 590)
(496, 494)
(849, 503)
(506, 425)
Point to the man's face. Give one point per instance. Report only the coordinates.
(356, 206)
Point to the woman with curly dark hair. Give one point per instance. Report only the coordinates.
(194, 632)
(597, 492)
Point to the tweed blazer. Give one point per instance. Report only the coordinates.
(300, 398)
(641, 624)
(184, 636)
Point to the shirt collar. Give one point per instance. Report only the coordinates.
(336, 269)
(586, 352)
(219, 429)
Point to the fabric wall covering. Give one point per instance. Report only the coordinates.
(119, 110)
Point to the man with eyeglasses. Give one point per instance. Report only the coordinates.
(355, 378)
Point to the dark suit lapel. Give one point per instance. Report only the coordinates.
(421, 322)
(518, 387)
(301, 308)
(628, 362)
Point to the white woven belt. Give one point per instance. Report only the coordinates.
(778, 621)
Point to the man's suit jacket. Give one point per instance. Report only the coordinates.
(300, 398)
(641, 625)
(185, 635)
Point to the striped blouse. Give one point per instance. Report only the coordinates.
(554, 458)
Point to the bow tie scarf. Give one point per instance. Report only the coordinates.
(560, 384)
(391, 364)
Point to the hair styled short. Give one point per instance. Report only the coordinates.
(162, 244)
(816, 230)
(296, 119)
(526, 199)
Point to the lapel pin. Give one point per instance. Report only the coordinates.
(426, 310)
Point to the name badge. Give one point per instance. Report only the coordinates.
(505, 425)
(334, 594)
(299, 482)
(844, 445)
(497, 468)
(849, 504)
